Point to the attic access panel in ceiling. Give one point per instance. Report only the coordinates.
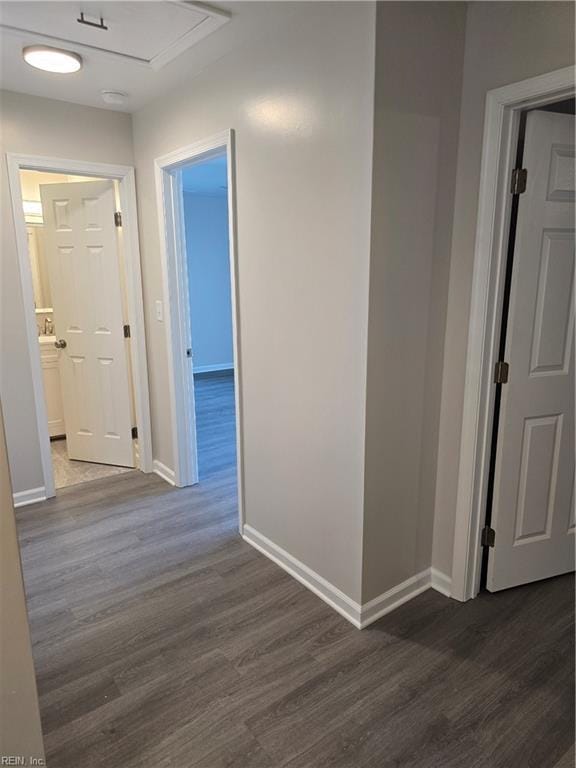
(150, 33)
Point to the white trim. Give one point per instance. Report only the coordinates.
(125, 176)
(127, 188)
(214, 368)
(503, 106)
(359, 615)
(176, 303)
(174, 286)
(27, 289)
(33, 495)
(440, 582)
(215, 18)
(164, 472)
(393, 598)
(335, 598)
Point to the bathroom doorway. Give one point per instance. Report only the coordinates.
(78, 301)
(88, 382)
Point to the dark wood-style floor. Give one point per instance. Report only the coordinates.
(162, 640)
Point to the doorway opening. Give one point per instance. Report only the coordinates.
(80, 278)
(531, 465)
(70, 303)
(205, 206)
(527, 525)
(197, 218)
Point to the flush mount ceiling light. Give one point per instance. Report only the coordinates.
(52, 59)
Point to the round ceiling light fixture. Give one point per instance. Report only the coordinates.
(51, 59)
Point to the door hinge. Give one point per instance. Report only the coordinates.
(126, 331)
(188, 352)
(519, 180)
(118, 218)
(501, 372)
(134, 433)
(488, 536)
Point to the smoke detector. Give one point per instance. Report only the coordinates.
(113, 97)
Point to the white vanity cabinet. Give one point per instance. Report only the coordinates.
(52, 391)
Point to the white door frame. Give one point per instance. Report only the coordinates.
(176, 303)
(501, 122)
(125, 176)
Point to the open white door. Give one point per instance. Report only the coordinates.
(533, 506)
(84, 270)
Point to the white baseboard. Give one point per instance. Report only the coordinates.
(440, 582)
(328, 592)
(23, 498)
(213, 368)
(164, 472)
(358, 615)
(395, 597)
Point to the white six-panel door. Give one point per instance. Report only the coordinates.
(533, 507)
(82, 252)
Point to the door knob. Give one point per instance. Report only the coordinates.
(60, 344)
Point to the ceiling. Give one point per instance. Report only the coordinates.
(208, 177)
(150, 46)
(147, 33)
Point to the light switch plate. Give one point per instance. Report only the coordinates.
(159, 311)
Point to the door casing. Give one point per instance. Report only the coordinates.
(176, 306)
(127, 193)
(501, 125)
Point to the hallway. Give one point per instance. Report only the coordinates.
(162, 640)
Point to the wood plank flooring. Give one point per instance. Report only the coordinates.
(162, 640)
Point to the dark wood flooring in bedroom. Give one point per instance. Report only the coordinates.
(162, 640)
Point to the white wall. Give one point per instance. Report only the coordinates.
(31, 125)
(419, 54)
(301, 103)
(206, 225)
(505, 42)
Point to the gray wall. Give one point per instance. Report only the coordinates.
(419, 56)
(20, 731)
(352, 397)
(35, 126)
(505, 43)
(301, 103)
